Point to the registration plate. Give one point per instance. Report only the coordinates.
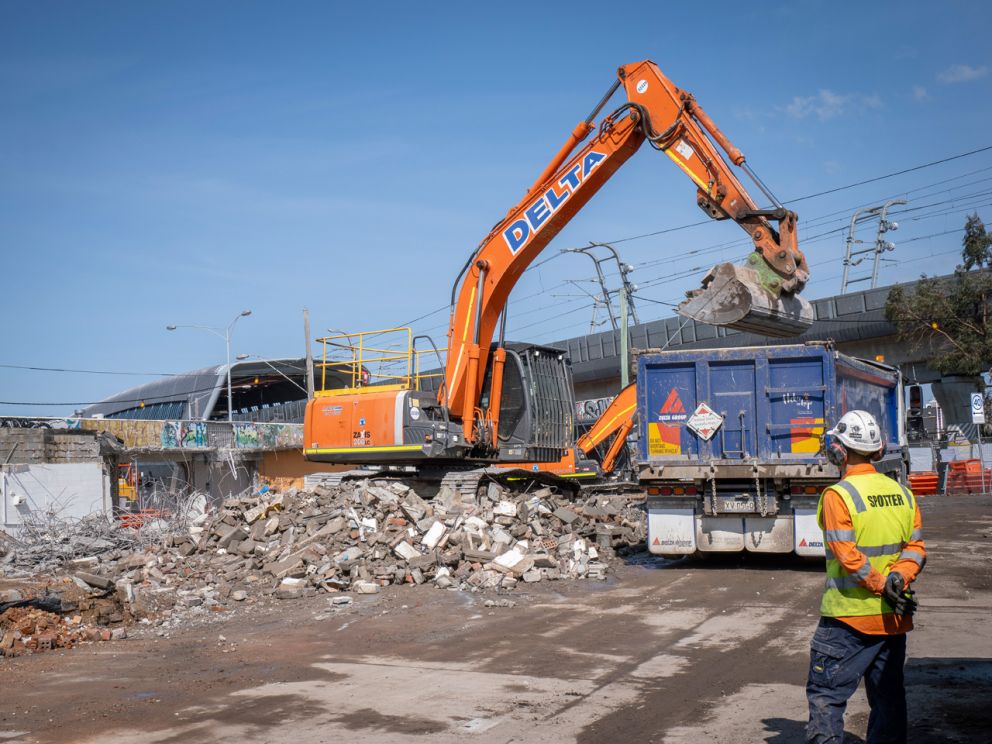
(736, 504)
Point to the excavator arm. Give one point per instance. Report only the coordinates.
(761, 297)
(618, 419)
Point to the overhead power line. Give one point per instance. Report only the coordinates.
(88, 371)
(902, 172)
(146, 399)
(700, 223)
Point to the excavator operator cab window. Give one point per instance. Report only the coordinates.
(513, 405)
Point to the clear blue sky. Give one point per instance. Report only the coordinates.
(178, 162)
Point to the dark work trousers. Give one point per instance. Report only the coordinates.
(839, 657)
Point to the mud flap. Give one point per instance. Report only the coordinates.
(732, 296)
(808, 534)
(671, 531)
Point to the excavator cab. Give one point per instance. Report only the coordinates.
(537, 405)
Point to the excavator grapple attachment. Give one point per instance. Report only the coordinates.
(733, 296)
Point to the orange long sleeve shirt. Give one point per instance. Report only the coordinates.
(837, 520)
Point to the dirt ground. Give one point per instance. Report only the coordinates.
(675, 652)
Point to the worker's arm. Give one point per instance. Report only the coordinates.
(838, 531)
(913, 556)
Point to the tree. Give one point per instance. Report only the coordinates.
(951, 315)
(977, 244)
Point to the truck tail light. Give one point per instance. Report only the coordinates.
(795, 490)
(672, 490)
(812, 489)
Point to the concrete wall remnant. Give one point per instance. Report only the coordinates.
(70, 490)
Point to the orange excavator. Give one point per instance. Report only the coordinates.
(500, 402)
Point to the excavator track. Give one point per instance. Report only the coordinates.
(469, 483)
(332, 480)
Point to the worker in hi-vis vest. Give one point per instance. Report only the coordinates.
(874, 545)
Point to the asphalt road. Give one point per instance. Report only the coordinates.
(674, 652)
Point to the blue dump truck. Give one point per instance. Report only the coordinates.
(731, 442)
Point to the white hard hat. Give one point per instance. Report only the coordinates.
(858, 431)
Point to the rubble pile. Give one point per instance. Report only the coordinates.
(46, 540)
(357, 537)
(369, 534)
(56, 621)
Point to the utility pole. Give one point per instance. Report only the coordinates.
(309, 355)
(879, 247)
(624, 271)
(624, 340)
(626, 292)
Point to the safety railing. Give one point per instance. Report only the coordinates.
(382, 359)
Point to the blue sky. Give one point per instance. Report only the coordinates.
(178, 162)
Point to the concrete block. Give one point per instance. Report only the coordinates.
(405, 550)
(95, 580)
(434, 535)
(231, 535)
(349, 556)
(505, 509)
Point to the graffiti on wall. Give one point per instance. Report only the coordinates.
(249, 435)
(171, 435)
(587, 411)
(246, 435)
(183, 435)
(22, 422)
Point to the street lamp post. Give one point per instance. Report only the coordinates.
(226, 335)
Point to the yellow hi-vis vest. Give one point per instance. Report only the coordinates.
(883, 512)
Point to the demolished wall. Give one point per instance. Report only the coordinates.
(45, 470)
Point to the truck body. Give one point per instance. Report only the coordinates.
(731, 452)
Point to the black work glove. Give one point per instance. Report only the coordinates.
(894, 585)
(897, 596)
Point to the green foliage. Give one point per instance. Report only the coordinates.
(977, 244)
(951, 316)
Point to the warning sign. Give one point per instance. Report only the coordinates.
(665, 434)
(704, 421)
